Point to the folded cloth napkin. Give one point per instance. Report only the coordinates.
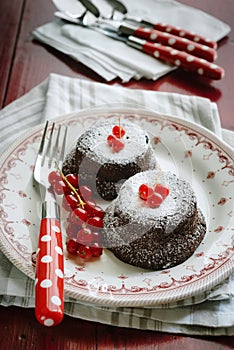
(210, 313)
(111, 58)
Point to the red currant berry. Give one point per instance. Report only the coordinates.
(89, 207)
(117, 145)
(54, 177)
(85, 192)
(71, 230)
(79, 215)
(98, 211)
(72, 247)
(110, 139)
(70, 201)
(65, 204)
(73, 180)
(154, 200)
(60, 187)
(162, 189)
(118, 131)
(85, 236)
(145, 191)
(85, 252)
(96, 250)
(95, 221)
(97, 238)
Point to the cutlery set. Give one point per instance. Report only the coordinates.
(164, 42)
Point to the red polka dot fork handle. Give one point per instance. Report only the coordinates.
(49, 278)
(178, 58)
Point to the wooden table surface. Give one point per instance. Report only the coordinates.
(24, 64)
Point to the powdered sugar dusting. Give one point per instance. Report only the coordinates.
(94, 141)
(180, 201)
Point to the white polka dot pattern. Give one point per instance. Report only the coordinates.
(59, 250)
(190, 47)
(48, 322)
(183, 59)
(171, 41)
(156, 54)
(56, 300)
(175, 30)
(179, 43)
(56, 228)
(49, 279)
(59, 273)
(45, 238)
(46, 283)
(46, 259)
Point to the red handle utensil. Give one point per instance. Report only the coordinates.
(49, 289)
(178, 58)
(168, 39)
(183, 33)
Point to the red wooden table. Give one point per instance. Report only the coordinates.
(24, 64)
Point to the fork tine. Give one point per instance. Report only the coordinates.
(41, 147)
(48, 151)
(58, 150)
(62, 152)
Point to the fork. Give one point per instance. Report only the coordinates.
(49, 277)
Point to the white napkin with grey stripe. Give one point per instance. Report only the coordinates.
(210, 313)
(111, 58)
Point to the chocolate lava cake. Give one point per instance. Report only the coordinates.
(104, 168)
(154, 238)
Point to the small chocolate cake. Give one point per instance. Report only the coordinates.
(154, 238)
(104, 169)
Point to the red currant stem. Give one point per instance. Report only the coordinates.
(82, 203)
(158, 176)
(120, 133)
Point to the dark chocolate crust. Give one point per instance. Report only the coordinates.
(105, 173)
(148, 253)
(159, 242)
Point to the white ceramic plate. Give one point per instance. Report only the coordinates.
(184, 148)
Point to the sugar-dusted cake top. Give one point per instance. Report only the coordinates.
(95, 145)
(180, 202)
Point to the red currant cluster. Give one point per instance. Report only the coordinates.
(154, 196)
(85, 217)
(114, 139)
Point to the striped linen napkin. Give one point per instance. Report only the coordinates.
(210, 313)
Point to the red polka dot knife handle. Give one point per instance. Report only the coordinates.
(49, 279)
(178, 58)
(168, 39)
